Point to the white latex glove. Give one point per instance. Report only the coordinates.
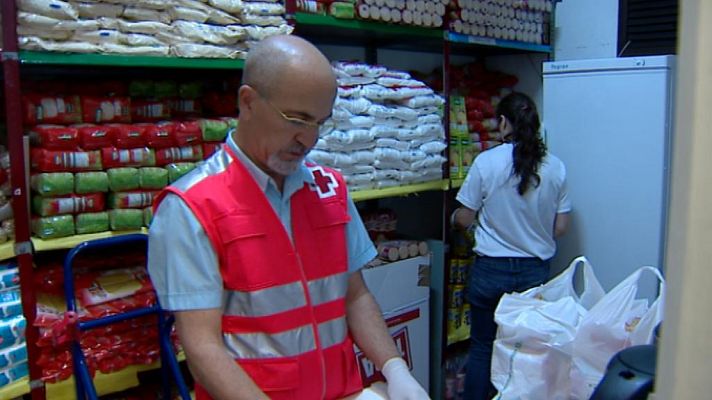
(401, 384)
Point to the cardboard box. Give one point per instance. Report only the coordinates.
(402, 291)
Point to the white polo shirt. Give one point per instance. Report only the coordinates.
(510, 225)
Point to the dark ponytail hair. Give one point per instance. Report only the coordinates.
(529, 149)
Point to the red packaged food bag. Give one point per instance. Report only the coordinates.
(150, 110)
(184, 108)
(178, 154)
(129, 136)
(209, 148)
(54, 137)
(138, 157)
(106, 109)
(46, 109)
(188, 133)
(94, 137)
(132, 199)
(48, 206)
(161, 135)
(45, 160)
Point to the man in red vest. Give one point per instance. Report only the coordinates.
(258, 252)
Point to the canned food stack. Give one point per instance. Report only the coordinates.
(388, 129)
(181, 28)
(517, 20)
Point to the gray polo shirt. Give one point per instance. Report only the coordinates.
(181, 260)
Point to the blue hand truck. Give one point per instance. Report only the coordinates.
(169, 364)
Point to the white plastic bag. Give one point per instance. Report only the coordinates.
(531, 358)
(617, 321)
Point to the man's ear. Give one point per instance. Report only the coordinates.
(246, 97)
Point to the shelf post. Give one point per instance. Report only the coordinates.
(18, 180)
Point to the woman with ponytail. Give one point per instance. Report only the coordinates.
(517, 193)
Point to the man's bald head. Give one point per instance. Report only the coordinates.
(277, 60)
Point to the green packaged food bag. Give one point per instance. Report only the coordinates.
(165, 89)
(124, 178)
(152, 178)
(147, 216)
(141, 88)
(176, 170)
(214, 130)
(91, 182)
(342, 10)
(91, 222)
(53, 227)
(53, 183)
(125, 219)
(190, 90)
(230, 121)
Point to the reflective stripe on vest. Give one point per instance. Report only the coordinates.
(285, 344)
(277, 299)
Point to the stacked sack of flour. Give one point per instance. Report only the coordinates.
(389, 129)
(182, 28)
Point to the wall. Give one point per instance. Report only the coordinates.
(685, 350)
(586, 29)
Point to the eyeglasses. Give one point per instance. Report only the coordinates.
(324, 128)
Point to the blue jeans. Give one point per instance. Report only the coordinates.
(490, 278)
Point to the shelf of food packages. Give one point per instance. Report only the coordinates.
(498, 43)
(70, 242)
(361, 195)
(116, 60)
(104, 383)
(330, 30)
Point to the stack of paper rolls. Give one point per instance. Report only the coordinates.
(425, 13)
(523, 21)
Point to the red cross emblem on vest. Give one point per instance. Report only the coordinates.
(325, 182)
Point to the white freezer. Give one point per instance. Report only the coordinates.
(609, 120)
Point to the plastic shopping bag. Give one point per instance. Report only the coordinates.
(617, 321)
(532, 351)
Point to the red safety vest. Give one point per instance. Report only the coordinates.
(284, 320)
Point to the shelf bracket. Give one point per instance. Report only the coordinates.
(22, 248)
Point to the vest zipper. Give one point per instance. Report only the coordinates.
(315, 326)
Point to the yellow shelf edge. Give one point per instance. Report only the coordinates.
(456, 183)
(104, 383)
(7, 250)
(71, 241)
(15, 389)
(360, 195)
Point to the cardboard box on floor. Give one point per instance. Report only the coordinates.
(402, 291)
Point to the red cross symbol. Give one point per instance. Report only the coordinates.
(325, 182)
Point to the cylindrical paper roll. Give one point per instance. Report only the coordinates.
(375, 12)
(363, 11)
(420, 6)
(408, 16)
(429, 7)
(423, 248)
(457, 25)
(385, 13)
(380, 3)
(465, 15)
(396, 15)
(440, 9)
(410, 5)
(437, 21)
(391, 3)
(427, 19)
(388, 252)
(400, 4)
(466, 30)
(418, 18)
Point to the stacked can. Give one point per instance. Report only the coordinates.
(516, 20)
